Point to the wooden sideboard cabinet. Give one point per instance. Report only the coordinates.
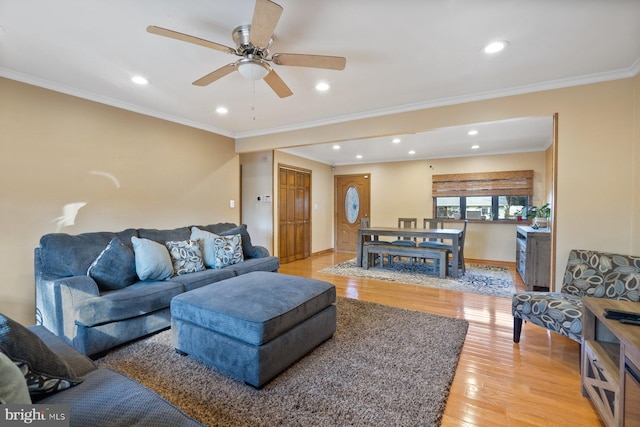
(610, 358)
(533, 257)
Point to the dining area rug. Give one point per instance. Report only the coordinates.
(480, 279)
(384, 366)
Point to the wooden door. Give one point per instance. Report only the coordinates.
(294, 207)
(352, 203)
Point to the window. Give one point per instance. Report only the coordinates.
(482, 196)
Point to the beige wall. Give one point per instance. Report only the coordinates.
(598, 156)
(257, 181)
(403, 189)
(58, 149)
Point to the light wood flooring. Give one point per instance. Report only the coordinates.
(497, 383)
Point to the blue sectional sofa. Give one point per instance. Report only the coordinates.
(38, 368)
(99, 290)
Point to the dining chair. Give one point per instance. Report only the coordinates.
(460, 248)
(405, 241)
(367, 240)
(406, 223)
(432, 223)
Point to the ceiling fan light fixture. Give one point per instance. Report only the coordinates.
(252, 69)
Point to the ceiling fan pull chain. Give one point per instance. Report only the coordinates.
(253, 102)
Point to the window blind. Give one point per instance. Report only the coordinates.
(510, 183)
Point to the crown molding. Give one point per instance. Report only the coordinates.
(632, 71)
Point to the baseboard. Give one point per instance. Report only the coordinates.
(324, 252)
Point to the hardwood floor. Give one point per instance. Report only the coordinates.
(497, 383)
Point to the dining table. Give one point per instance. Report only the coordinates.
(450, 234)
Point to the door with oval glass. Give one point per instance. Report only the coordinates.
(352, 202)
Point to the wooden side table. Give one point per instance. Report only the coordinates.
(610, 349)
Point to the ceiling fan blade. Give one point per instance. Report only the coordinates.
(190, 39)
(265, 18)
(277, 84)
(215, 75)
(313, 61)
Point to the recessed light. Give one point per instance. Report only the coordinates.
(359, 156)
(495, 47)
(336, 147)
(222, 110)
(139, 80)
(322, 87)
(412, 152)
(396, 140)
(472, 132)
(475, 147)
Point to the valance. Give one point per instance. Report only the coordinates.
(509, 183)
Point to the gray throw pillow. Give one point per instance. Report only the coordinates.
(152, 259)
(44, 371)
(13, 387)
(115, 267)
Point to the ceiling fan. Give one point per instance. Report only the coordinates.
(252, 44)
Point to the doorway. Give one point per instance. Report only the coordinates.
(352, 201)
(294, 213)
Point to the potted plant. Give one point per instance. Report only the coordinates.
(540, 215)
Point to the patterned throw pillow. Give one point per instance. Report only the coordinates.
(115, 267)
(228, 250)
(186, 256)
(44, 371)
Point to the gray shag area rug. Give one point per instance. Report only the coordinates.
(384, 366)
(480, 279)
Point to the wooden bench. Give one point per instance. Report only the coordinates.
(438, 255)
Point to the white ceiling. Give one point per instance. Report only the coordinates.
(401, 55)
(525, 134)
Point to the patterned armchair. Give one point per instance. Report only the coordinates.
(588, 273)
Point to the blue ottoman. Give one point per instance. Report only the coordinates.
(254, 326)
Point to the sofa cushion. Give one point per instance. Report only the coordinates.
(64, 255)
(135, 300)
(207, 243)
(217, 228)
(153, 261)
(228, 250)
(115, 267)
(203, 278)
(162, 236)
(13, 387)
(109, 398)
(44, 371)
(185, 256)
(270, 263)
